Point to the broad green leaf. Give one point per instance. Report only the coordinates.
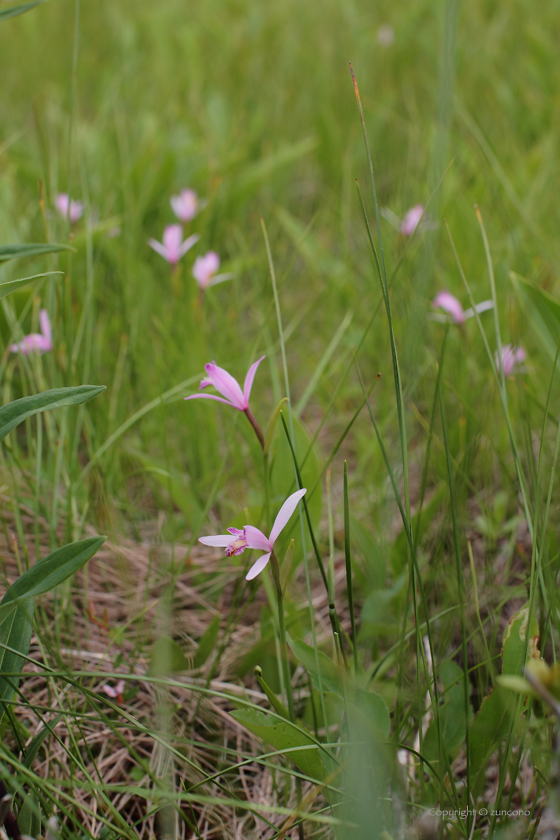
(15, 626)
(167, 658)
(515, 642)
(14, 413)
(14, 285)
(30, 249)
(37, 741)
(544, 311)
(207, 642)
(452, 716)
(29, 816)
(15, 633)
(284, 736)
(366, 703)
(52, 570)
(490, 726)
(18, 10)
(276, 704)
(495, 717)
(331, 677)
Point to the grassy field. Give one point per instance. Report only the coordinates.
(406, 662)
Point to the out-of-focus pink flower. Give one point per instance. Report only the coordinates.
(185, 205)
(115, 693)
(205, 268)
(412, 219)
(511, 358)
(173, 247)
(250, 537)
(36, 341)
(68, 208)
(448, 302)
(227, 386)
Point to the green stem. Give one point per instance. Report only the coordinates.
(282, 633)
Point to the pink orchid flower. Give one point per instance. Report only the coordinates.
(231, 391)
(173, 247)
(185, 205)
(449, 303)
(250, 537)
(36, 341)
(412, 220)
(512, 357)
(115, 693)
(68, 208)
(205, 268)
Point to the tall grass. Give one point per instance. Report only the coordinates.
(429, 520)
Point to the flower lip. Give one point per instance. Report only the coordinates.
(250, 537)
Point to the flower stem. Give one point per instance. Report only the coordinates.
(256, 427)
(282, 632)
(286, 665)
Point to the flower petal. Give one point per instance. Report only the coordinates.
(188, 243)
(45, 323)
(210, 397)
(449, 303)
(157, 246)
(256, 539)
(249, 379)
(219, 541)
(226, 385)
(285, 513)
(257, 567)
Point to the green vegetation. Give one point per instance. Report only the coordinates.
(376, 676)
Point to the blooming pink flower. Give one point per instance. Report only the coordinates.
(68, 208)
(511, 358)
(116, 692)
(205, 268)
(411, 220)
(250, 537)
(227, 386)
(173, 247)
(185, 205)
(36, 341)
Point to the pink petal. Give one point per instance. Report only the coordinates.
(62, 201)
(256, 539)
(209, 397)
(285, 513)
(448, 302)
(219, 541)
(249, 379)
(205, 267)
(120, 686)
(226, 385)
(187, 244)
(257, 567)
(411, 220)
(109, 691)
(157, 246)
(520, 355)
(45, 323)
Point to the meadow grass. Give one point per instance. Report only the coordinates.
(430, 518)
